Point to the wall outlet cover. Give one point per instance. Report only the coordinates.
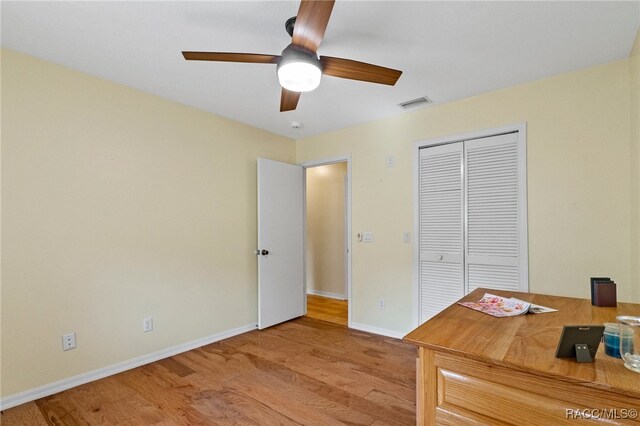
(147, 324)
(68, 341)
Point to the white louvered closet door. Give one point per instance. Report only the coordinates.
(493, 210)
(440, 228)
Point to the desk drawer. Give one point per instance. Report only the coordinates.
(472, 392)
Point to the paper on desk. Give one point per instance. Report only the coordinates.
(498, 306)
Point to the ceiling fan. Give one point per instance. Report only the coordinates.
(298, 67)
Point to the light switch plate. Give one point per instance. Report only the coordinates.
(367, 236)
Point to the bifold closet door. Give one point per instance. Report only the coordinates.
(472, 220)
(440, 229)
(493, 213)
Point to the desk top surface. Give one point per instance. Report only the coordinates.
(528, 342)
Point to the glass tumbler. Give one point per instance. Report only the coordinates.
(630, 342)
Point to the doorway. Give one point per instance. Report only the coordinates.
(327, 250)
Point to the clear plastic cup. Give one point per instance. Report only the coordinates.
(629, 340)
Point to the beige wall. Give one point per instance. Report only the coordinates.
(578, 186)
(325, 243)
(118, 205)
(634, 110)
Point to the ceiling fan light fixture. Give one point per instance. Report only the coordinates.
(299, 76)
(299, 70)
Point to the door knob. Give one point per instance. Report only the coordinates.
(265, 252)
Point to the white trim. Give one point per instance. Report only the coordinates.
(415, 241)
(326, 294)
(377, 330)
(345, 188)
(523, 232)
(100, 373)
(521, 128)
(326, 161)
(322, 162)
(483, 133)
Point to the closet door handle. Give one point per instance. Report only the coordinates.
(264, 252)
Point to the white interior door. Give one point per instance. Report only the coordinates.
(441, 232)
(280, 242)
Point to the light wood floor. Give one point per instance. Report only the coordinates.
(301, 372)
(327, 309)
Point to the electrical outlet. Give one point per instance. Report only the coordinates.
(68, 341)
(147, 324)
(381, 304)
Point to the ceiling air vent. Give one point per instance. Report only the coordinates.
(415, 103)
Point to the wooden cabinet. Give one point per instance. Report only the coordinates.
(474, 369)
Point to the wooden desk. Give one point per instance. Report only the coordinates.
(477, 369)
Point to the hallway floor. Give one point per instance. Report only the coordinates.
(327, 309)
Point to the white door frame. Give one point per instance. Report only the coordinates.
(324, 162)
(521, 128)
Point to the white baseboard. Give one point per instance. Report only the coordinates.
(64, 384)
(339, 296)
(376, 330)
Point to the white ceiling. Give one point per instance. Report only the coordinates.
(447, 50)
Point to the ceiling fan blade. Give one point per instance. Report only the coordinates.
(311, 23)
(354, 70)
(254, 58)
(288, 100)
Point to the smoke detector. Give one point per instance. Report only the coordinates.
(296, 125)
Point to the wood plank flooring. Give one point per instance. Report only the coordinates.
(327, 309)
(304, 371)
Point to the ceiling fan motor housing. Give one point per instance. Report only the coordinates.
(293, 53)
